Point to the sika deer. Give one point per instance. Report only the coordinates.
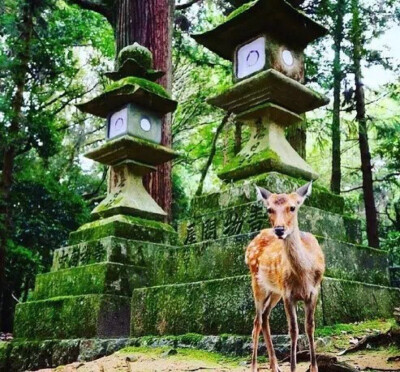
(284, 263)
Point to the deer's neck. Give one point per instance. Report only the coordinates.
(296, 253)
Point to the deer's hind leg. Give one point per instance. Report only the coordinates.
(310, 305)
(290, 309)
(269, 305)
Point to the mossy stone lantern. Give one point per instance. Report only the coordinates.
(265, 40)
(134, 107)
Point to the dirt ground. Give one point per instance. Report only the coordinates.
(146, 360)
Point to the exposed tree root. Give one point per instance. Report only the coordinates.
(326, 363)
(381, 339)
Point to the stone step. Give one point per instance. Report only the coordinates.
(156, 264)
(124, 226)
(109, 249)
(226, 306)
(86, 316)
(101, 278)
(243, 192)
(252, 217)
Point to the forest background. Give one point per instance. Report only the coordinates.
(53, 53)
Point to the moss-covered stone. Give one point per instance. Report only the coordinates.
(269, 86)
(260, 17)
(129, 90)
(252, 217)
(210, 307)
(124, 227)
(134, 81)
(265, 161)
(349, 301)
(243, 192)
(102, 278)
(132, 148)
(137, 52)
(73, 317)
(226, 306)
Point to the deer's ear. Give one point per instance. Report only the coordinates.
(262, 194)
(305, 190)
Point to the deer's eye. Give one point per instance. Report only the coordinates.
(270, 211)
(292, 209)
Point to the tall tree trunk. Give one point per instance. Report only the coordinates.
(297, 137)
(20, 72)
(366, 167)
(336, 177)
(150, 24)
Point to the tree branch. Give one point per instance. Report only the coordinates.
(96, 6)
(186, 5)
(212, 153)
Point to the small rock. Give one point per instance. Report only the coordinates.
(353, 341)
(169, 353)
(343, 332)
(244, 363)
(131, 358)
(322, 341)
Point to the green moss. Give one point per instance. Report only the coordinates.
(137, 52)
(103, 278)
(124, 226)
(241, 161)
(252, 164)
(355, 329)
(226, 306)
(133, 82)
(73, 317)
(240, 10)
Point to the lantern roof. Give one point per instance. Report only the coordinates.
(277, 18)
(129, 148)
(130, 67)
(130, 90)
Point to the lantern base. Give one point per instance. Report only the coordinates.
(266, 151)
(127, 195)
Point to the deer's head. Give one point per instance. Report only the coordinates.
(282, 208)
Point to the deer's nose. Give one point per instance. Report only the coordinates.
(279, 231)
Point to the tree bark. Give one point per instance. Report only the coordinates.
(336, 177)
(20, 72)
(366, 166)
(297, 137)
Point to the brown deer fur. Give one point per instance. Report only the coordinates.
(284, 263)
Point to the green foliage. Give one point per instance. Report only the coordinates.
(392, 245)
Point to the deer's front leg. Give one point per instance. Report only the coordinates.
(269, 305)
(290, 309)
(256, 336)
(310, 305)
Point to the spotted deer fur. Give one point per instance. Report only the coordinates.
(284, 263)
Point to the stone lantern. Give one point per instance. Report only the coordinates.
(265, 40)
(87, 293)
(133, 107)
